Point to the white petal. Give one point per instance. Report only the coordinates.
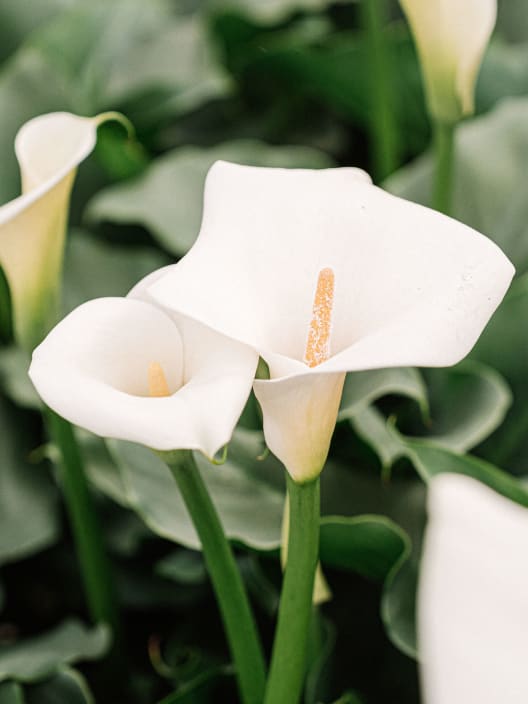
(32, 227)
(299, 416)
(93, 370)
(473, 596)
(412, 287)
(451, 37)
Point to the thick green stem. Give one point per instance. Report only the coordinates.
(444, 148)
(95, 568)
(383, 128)
(288, 663)
(232, 598)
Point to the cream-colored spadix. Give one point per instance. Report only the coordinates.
(473, 596)
(451, 37)
(49, 149)
(323, 273)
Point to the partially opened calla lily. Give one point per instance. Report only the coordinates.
(451, 37)
(323, 273)
(473, 596)
(49, 149)
(123, 368)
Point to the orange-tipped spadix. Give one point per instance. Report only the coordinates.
(318, 342)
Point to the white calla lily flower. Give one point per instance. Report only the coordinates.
(123, 368)
(49, 149)
(323, 273)
(473, 596)
(451, 37)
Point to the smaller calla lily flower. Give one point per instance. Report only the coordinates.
(323, 273)
(473, 596)
(123, 368)
(49, 149)
(451, 37)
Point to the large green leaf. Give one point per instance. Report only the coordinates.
(490, 166)
(369, 545)
(167, 198)
(94, 268)
(28, 508)
(39, 657)
(363, 388)
(249, 506)
(468, 403)
(502, 346)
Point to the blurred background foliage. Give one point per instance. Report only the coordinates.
(280, 82)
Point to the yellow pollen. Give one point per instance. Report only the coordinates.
(157, 381)
(318, 342)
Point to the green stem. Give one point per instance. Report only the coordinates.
(230, 591)
(288, 663)
(444, 143)
(95, 569)
(383, 129)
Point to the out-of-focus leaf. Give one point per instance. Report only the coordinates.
(183, 566)
(18, 19)
(469, 402)
(11, 693)
(503, 346)
(167, 198)
(14, 379)
(512, 20)
(28, 510)
(94, 269)
(66, 687)
(369, 545)
(490, 166)
(42, 656)
(504, 74)
(178, 62)
(269, 12)
(362, 388)
(250, 509)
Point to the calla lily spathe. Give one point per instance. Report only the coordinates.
(49, 149)
(93, 369)
(408, 287)
(451, 37)
(473, 596)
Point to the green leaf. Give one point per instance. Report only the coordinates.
(66, 687)
(369, 545)
(362, 388)
(94, 269)
(25, 491)
(42, 656)
(269, 12)
(501, 346)
(249, 507)
(468, 403)
(14, 379)
(492, 200)
(183, 567)
(512, 20)
(167, 198)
